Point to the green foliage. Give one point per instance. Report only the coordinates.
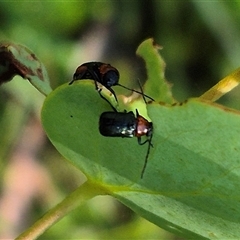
(182, 173)
(67, 34)
(156, 86)
(190, 186)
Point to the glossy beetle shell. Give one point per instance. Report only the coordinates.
(117, 124)
(125, 124)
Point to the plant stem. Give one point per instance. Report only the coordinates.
(222, 87)
(85, 192)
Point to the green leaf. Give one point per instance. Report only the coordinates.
(191, 183)
(16, 59)
(156, 86)
(80, 106)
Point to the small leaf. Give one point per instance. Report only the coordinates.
(16, 59)
(156, 86)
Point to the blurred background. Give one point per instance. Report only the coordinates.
(200, 41)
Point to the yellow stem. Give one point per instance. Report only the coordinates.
(222, 87)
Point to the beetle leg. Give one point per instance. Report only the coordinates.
(73, 80)
(142, 143)
(99, 91)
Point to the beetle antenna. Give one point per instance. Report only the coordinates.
(140, 85)
(136, 91)
(137, 113)
(146, 158)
